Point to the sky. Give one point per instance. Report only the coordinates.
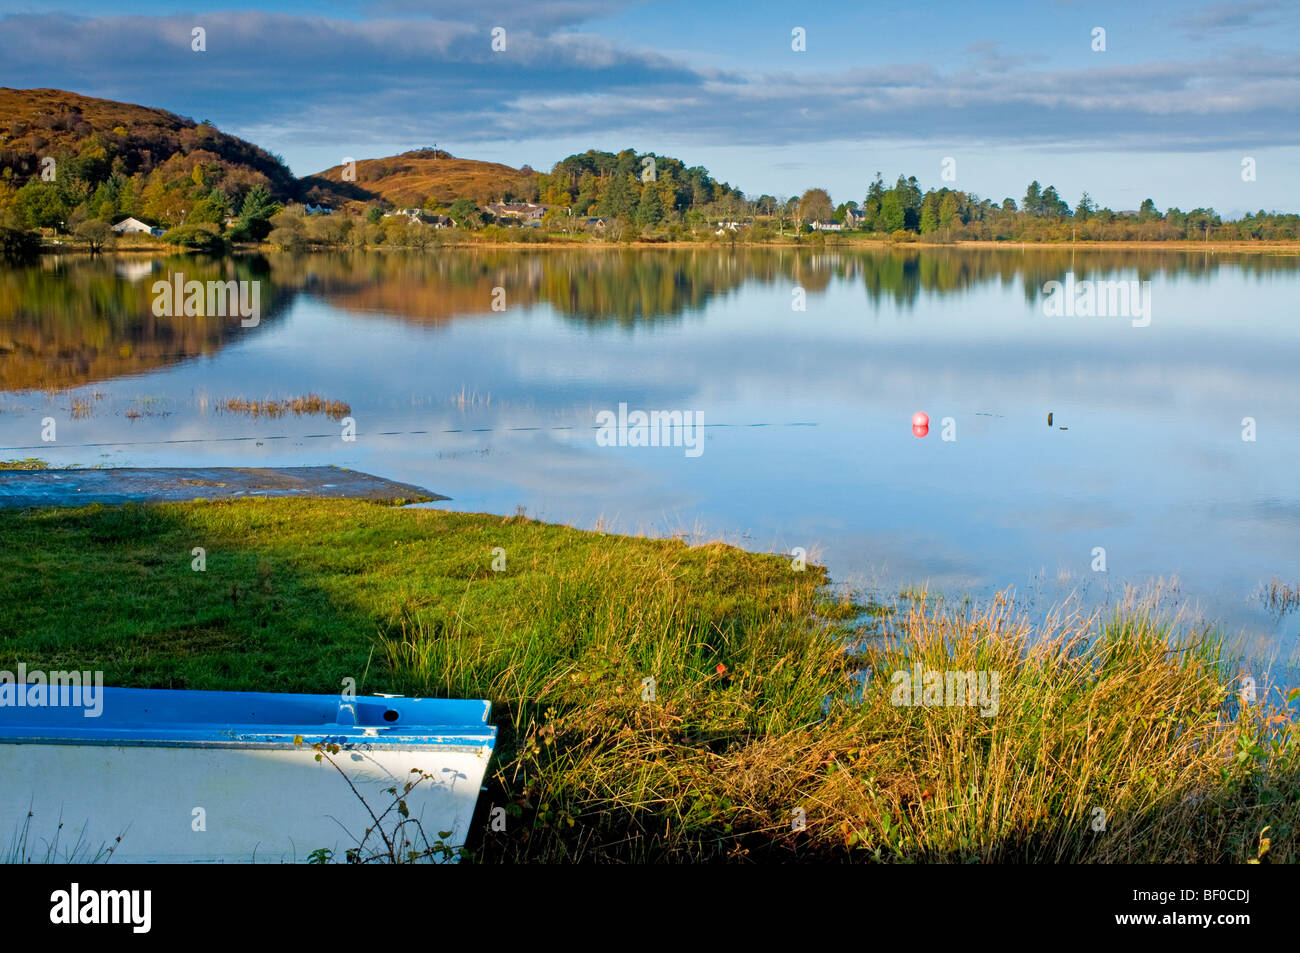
(1180, 96)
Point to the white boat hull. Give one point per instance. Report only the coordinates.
(188, 805)
(164, 776)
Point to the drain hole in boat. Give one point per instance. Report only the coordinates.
(390, 715)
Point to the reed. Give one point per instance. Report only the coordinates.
(305, 405)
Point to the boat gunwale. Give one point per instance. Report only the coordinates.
(470, 744)
(290, 722)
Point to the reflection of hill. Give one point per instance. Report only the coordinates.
(65, 323)
(629, 287)
(595, 286)
(69, 323)
(414, 286)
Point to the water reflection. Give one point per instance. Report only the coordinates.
(65, 322)
(807, 414)
(70, 322)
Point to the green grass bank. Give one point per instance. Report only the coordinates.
(772, 733)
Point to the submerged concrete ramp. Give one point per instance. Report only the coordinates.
(177, 484)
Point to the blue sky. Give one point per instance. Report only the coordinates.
(1011, 91)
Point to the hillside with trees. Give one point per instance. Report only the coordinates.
(643, 188)
(66, 159)
(74, 165)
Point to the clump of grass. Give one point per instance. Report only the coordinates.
(55, 850)
(147, 406)
(80, 408)
(1280, 597)
(307, 405)
(470, 400)
(27, 463)
(760, 717)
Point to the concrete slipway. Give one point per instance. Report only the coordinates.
(22, 488)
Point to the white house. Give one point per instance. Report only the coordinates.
(413, 216)
(523, 211)
(133, 226)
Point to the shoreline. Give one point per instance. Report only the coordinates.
(1290, 247)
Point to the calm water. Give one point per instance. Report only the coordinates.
(807, 414)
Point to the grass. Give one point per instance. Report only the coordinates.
(1280, 597)
(27, 463)
(308, 404)
(659, 702)
(22, 850)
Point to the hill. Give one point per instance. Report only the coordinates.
(422, 176)
(114, 159)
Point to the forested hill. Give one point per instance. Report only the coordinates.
(112, 159)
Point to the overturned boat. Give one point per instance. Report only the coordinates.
(146, 775)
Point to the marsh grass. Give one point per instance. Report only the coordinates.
(771, 696)
(27, 463)
(1280, 597)
(306, 405)
(1120, 718)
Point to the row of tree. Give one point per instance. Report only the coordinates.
(1040, 214)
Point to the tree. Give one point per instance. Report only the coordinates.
(256, 212)
(42, 204)
(815, 206)
(1086, 208)
(210, 208)
(929, 213)
(465, 213)
(1053, 205)
(1033, 203)
(908, 193)
(871, 205)
(948, 210)
(258, 204)
(620, 197)
(376, 214)
(892, 217)
(650, 210)
(204, 236)
(94, 233)
(588, 194)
